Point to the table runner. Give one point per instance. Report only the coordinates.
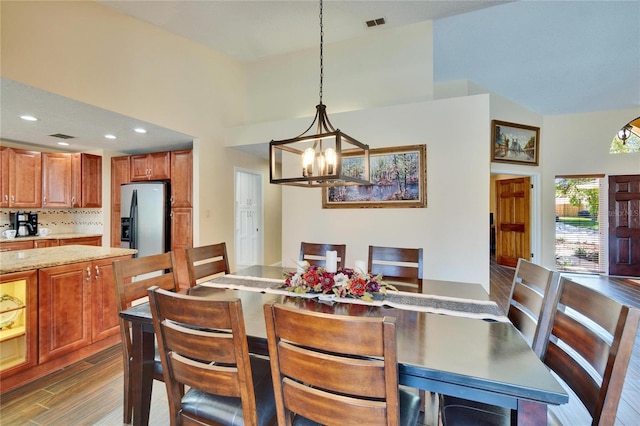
(469, 308)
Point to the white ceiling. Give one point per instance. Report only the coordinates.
(554, 57)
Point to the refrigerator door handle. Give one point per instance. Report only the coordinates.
(133, 214)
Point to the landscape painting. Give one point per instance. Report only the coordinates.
(398, 177)
(514, 143)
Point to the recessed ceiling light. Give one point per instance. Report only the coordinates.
(110, 136)
(139, 130)
(63, 143)
(28, 118)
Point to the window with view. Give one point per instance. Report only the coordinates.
(579, 236)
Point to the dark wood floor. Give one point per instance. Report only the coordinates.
(90, 392)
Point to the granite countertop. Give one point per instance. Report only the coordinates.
(48, 237)
(26, 260)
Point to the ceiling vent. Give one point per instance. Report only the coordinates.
(61, 136)
(375, 22)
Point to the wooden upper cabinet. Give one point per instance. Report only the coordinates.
(23, 178)
(154, 166)
(181, 178)
(56, 180)
(4, 177)
(86, 179)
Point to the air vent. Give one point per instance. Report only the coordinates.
(375, 22)
(61, 136)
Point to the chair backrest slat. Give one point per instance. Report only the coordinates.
(398, 266)
(206, 262)
(589, 346)
(315, 253)
(310, 354)
(530, 303)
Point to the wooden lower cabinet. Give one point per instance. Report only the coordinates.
(77, 307)
(81, 241)
(18, 336)
(16, 245)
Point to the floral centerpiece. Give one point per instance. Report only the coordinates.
(345, 283)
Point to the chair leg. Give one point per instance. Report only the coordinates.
(128, 399)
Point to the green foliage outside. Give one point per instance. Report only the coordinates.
(577, 193)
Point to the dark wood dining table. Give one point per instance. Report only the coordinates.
(486, 361)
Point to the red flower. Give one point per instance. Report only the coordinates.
(311, 277)
(358, 286)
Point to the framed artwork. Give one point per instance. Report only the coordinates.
(398, 176)
(514, 143)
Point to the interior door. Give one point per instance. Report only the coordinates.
(624, 225)
(513, 227)
(248, 218)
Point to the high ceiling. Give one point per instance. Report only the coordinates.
(553, 57)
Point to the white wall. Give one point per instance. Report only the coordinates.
(453, 229)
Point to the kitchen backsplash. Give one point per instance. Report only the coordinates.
(61, 221)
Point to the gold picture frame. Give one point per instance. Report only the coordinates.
(398, 176)
(514, 143)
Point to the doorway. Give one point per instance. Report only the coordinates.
(249, 234)
(518, 233)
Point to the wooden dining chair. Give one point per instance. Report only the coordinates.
(206, 262)
(315, 253)
(401, 267)
(588, 347)
(203, 346)
(132, 279)
(531, 301)
(336, 370)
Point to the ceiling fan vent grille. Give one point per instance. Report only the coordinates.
(375, 22)
(62, 136)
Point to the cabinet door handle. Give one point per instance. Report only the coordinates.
(73, 200)
(88, 274)
(44, 200)
(13, 199)
(6, 198)
(97, 273)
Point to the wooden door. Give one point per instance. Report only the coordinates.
(64, 309)
(120, 173)
(160, 165)
(25, 178)
(104, 305)
(56, 179)
(624, 225)
(86, 178)
(139, 167)
(513, 226)
(181, 238)
(4, 177)
(181, 178)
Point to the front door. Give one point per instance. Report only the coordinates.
(513, 226)
(624, 225)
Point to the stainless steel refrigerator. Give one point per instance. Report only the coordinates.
(144, 217)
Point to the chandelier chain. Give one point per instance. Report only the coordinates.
(321, 53)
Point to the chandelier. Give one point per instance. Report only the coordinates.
(624, 134)
(317, 159)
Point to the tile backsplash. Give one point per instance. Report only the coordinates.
(61, 221)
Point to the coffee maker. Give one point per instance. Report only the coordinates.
(25, 224)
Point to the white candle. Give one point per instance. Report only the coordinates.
(361, 266)
(332, 261)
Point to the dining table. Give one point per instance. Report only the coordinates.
(440, 347)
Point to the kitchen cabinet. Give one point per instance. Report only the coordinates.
(153, 166)
(18, 323)
(16, 245)
(20, 178)
(81, 241)
(86, 180)
(56, 180)
(181, 178)
(45, 243)
(77, 307)
(120, 173)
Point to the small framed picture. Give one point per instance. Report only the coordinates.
(514, 143)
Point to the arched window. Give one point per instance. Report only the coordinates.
(627, 139)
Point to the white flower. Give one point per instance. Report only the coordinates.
(340, 279)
